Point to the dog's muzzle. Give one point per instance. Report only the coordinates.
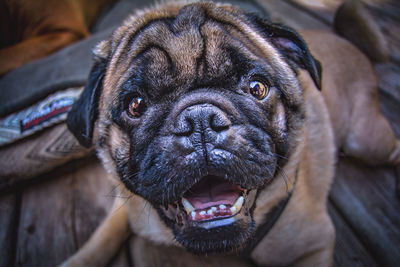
(213, 198)
(203, 170)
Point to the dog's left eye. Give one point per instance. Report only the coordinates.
(136, 107)
(258, 89)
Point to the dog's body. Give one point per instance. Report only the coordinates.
(33, 29)
(351, 96)
(212, 119)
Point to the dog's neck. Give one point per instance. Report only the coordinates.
(283, 182)
(270, 219)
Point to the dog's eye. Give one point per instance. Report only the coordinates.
(136, 107)
(258, 89)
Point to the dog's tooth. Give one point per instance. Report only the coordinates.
(210, 212)
(222, 206)
(202, 213)
(193, 213)
(233, 209)
(214, 208)
(186, 204)
(239, 202)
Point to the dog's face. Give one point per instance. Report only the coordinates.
(196, 108)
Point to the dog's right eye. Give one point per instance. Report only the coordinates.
(136, 107)
(258, 89)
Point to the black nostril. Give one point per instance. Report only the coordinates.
(184, 127)
(199, 118)
(219, 122)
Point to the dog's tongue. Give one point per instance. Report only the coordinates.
(212, 191)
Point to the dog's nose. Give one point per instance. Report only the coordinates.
(201, 118)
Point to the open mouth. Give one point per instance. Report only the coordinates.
(213, 216)
(212, 202)
(213, 198)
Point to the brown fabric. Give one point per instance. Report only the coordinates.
(38, 154)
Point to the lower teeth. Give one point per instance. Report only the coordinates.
(213, 212)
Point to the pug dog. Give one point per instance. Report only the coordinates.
(213, 121)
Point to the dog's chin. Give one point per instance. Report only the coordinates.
(213, 216)
(230, 236)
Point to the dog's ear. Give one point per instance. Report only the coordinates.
(83, 114)
(290, 45)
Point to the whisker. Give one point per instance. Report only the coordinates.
(123, 204)
(285, 178)
(280, 156)
(113, 189)
(146, 205)
(130, 176)
(119, 196)
(114, 194)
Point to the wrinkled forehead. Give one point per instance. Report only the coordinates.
(180, 45)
